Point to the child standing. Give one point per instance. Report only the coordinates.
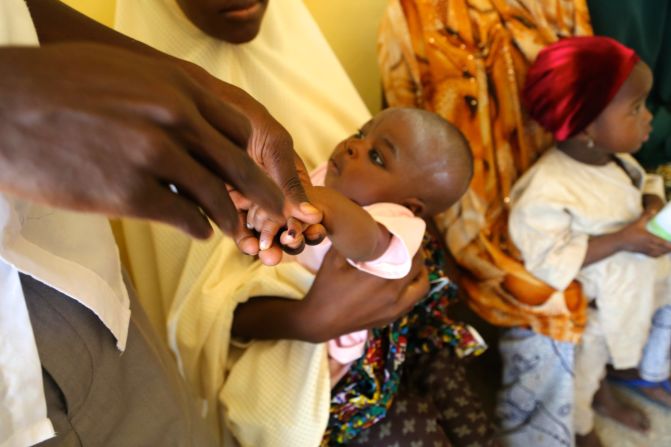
(580, 213)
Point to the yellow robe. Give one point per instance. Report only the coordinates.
(190, 288)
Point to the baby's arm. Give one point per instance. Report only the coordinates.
(351, 229)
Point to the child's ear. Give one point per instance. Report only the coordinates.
(586, 135)
(415, 205)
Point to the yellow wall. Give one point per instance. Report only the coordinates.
(101, 10)
(350, 26)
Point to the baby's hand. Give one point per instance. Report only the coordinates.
(260, 235)
(289, 238)
(636, 238)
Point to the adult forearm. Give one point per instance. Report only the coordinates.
(274, 318)
(56, 22)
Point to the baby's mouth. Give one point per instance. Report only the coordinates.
(333, 166)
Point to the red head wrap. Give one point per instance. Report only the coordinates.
(573, 80)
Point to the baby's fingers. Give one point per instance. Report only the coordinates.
(289, 244)
(291, 240)
(268, 231)
(314, 234)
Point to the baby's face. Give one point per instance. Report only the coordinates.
(379, 163)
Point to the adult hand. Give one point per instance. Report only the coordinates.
(100, 129)
(271, 147)
(343, 299)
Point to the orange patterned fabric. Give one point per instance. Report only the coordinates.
(466, 60)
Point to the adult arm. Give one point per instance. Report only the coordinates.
(342, 299)
(271, 146)
(268, 143)
(94, 128)
(56, 22)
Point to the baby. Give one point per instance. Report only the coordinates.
(403, 166)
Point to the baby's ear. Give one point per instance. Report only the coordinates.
(415, 205)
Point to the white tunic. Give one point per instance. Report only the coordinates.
(556, 206)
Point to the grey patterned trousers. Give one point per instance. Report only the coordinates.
(435, 407)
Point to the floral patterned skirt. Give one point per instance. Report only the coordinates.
(365, 395)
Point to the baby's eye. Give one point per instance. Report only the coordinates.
(375, 157)
(637, 108)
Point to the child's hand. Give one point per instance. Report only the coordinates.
(636, 238)
(269, 229)
(260, 235)
(652, 203)
(266, 237)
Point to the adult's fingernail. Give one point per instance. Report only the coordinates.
(308, 208)
(264, 244)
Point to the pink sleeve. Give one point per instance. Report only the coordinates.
(318, 175)
(343, 351)
(349, 347)
(407, 232)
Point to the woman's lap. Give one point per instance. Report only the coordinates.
(435, 407)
